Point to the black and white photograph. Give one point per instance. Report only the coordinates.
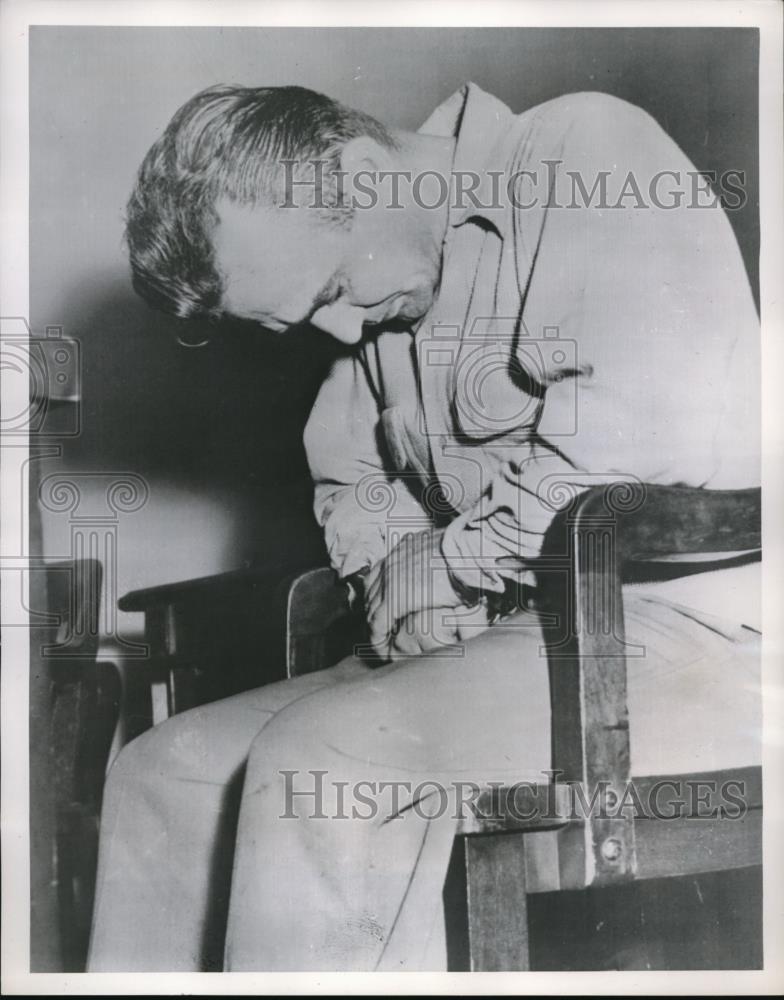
(390, 497)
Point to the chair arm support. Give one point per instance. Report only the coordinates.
(654, 521)
(213, 636)
(220, 585)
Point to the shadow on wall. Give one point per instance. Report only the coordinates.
(212, 434)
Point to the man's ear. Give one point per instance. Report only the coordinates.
(363, 153)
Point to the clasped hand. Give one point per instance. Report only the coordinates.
(411, 602)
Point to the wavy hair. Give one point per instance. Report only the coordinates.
(231, 142)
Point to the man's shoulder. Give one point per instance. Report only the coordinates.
(593, 123)
(590, 108)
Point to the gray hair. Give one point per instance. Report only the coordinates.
(225, 142)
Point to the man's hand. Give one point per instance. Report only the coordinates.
(407, 594)
(435, 628)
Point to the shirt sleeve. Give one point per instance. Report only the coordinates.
(356, 496)
(653, 372)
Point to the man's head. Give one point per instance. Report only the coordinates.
(237, 209)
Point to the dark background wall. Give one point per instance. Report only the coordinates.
(216, 432)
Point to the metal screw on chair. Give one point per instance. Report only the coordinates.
(612, 849)
(610, 798)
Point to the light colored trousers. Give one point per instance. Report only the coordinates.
(199, 836)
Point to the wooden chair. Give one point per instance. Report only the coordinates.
(605, 536)
(74, 705)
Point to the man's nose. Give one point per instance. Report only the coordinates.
(343, 322)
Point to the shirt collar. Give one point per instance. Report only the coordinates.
(478, 121)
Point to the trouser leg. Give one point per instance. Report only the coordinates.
(168, 829)
(331, 887)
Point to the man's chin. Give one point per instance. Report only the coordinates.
(413, 312)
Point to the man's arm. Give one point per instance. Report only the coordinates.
(356, 499)
(351, 482)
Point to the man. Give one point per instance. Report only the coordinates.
(523, 321)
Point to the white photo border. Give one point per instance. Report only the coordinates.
(16, 16)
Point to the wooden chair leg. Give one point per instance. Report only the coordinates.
(497, 904)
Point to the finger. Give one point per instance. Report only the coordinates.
(384, 653)
(421, 636)
(373, 595)
(372, 607)
(377, 579)
(385, 650)
(372, 580)
(404, 644)
(515, 563)
(379, 605)
(381, 627)
(405, 638)
(425, 631)
(376, 593)
(470, 621)
(443, 626)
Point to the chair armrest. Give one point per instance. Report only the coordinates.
(213, 636)
(320, 624)
(659, 521)
(218, 586)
